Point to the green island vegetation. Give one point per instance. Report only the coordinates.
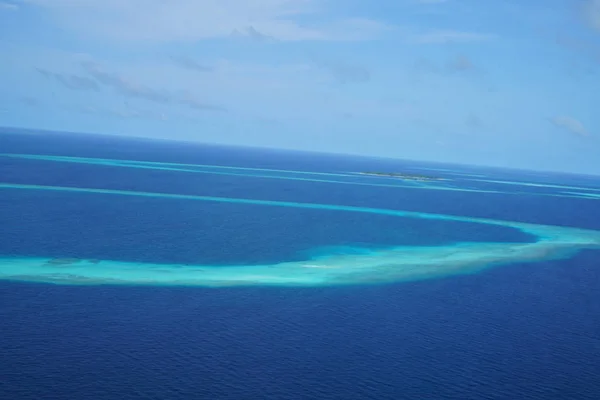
(402, 175)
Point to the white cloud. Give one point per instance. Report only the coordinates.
(461, 63)
(70, 81)
(431, 1)
(570, 124)
(446, 37)
(591, 11)
(125, 112)
(8, 6)
(129, 88)
(191, 20)
(474, 122)
(458, 64)
(344, 72)
(191, 64)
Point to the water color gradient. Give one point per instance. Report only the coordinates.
(393, 264)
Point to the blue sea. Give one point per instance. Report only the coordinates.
(483, 329)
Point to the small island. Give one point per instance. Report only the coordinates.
(401, 175)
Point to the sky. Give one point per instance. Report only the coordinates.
(511, 83)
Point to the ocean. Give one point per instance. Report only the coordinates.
(143, 269)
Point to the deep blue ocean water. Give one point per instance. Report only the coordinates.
(525, 331)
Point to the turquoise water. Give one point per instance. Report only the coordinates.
(240, 282)
(400, 263)
(412, 253)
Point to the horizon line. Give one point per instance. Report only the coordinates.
(319, 152)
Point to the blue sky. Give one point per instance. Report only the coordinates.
(504, 83)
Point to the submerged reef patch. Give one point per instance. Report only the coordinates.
(399, 263)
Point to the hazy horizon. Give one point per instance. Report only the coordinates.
(510, 84)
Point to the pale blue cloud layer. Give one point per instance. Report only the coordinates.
(505, 83)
